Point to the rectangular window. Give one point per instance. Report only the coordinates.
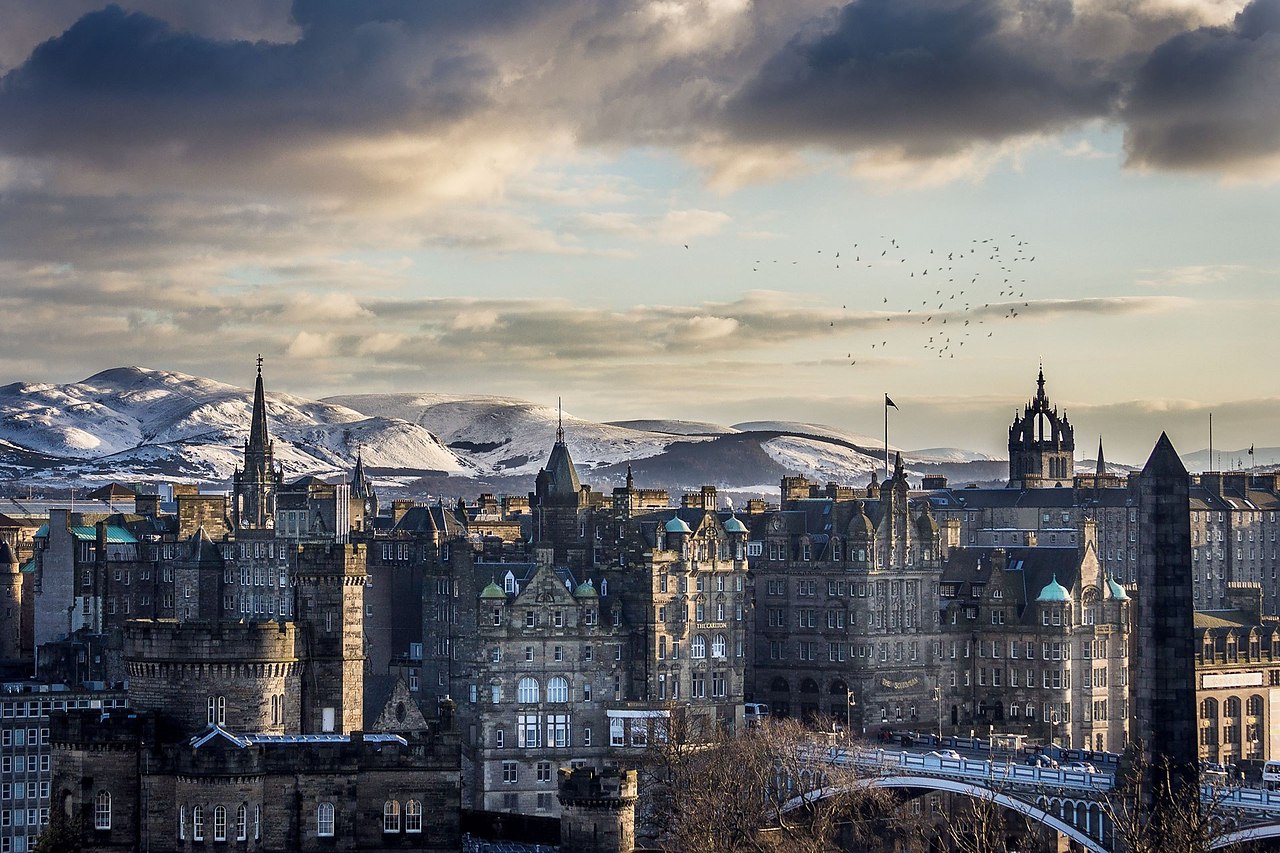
(509, 769)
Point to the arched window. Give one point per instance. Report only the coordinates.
(197, 823)
(779, 685)
(182, 821)
(102, 810)
(557, 690)
(324, 820)
(699, 647)
(718, 644)
(413, 816)
(1231, 707)
(1209, 709)
(1254, 706)
(217, 710)
(527, 691)
(391, 816)
(242, 822)
(219, 823)
(275, 710)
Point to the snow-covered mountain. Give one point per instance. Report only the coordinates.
(132, 423)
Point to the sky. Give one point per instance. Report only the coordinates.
(638, 206)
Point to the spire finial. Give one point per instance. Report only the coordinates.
(559, 421)
(259, 364)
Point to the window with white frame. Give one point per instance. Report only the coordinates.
(324, 820)
(558, 689)
(391, 816)
(413, 816)
(102, 810)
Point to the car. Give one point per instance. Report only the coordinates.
(945, 753)
(1080, 767)
(1041, 761)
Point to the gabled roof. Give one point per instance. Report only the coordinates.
(431, 520)
(216, 736)
(111, 491)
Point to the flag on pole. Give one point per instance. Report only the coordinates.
(1251, 450)
(888, 402)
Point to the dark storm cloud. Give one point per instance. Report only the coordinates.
(1210, 97)
(122, 90)
(116, 81)
(930, 75)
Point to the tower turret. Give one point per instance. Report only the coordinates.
(10, 608)
(1041, 444)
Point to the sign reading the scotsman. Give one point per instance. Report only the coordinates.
(891, 684)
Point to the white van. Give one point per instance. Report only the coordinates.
(754, 712)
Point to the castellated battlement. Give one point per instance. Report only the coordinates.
(242, 675)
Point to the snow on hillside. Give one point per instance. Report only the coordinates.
(819, 430)
(674, 427)
(948, 454)
(152, 420)
(510, 436)
(820, 460)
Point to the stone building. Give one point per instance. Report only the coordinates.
(1035, 641)
(846, 604)
(26, 754)
(1238, 679)
(246, 721)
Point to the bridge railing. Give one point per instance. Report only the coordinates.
(970, 769)
(1257, 799)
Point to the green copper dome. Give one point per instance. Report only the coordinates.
(493, 591)
(1054, 593)
(734, 526)
(1116, 590)
(586, 589)
(677, 525)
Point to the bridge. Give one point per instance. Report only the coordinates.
(1072, 802)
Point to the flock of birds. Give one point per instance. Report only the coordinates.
(975, 287)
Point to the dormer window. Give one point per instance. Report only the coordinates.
(509, 584)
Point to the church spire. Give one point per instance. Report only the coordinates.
(1102, 463)
(559, 422)
(258, 425)
(255, 484)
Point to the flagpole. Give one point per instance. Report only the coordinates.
(1211, 441)
(886, 438)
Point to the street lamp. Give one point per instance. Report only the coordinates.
(848, 712)
(937, 697)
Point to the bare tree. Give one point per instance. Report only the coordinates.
(714, 791)
(1157, 807)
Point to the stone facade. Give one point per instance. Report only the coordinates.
(1164, 695)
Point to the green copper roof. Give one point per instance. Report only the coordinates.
(586, 590)
(1116, 590)
(733, 525)
(493, 591)
(1054, 593)
(677, 525)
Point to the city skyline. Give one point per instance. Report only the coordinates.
(639, 208)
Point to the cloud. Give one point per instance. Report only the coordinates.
(928, 77)
(675, 226)
(1194, 275)
(1210, 98)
